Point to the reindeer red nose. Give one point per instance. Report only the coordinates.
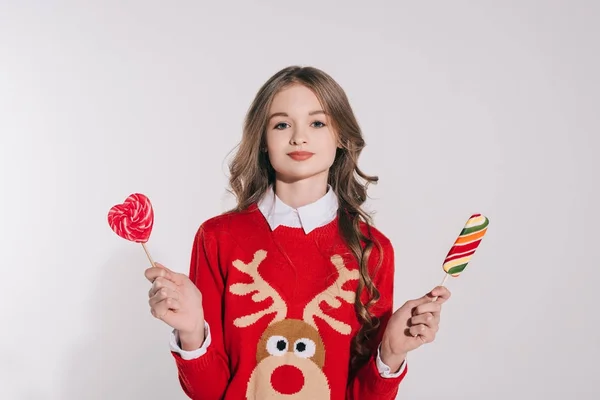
(287, 379)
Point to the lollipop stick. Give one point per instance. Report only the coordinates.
(444, 280)
(148, 254)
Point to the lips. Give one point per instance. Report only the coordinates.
(300, 155)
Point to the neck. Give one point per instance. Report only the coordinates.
(302, 192)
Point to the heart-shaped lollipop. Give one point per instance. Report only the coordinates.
(133, 220)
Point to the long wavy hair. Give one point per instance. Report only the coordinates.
(251, 173)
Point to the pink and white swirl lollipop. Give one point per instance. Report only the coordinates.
(133, 220)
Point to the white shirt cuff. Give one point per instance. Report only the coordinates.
(192, 354)
(384, 370)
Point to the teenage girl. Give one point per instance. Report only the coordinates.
(290, 294)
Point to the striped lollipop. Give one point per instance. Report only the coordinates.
(465, 245)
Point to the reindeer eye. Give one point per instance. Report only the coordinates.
(277, 345)
(305, 348)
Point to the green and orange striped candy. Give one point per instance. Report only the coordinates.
(465, 245)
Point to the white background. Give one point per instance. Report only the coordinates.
(466, 107)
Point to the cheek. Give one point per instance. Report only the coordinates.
(328, 144)
(275, 141)
(275, 145)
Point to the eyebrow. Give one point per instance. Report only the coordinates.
(282, 114)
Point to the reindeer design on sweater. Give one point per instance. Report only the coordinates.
(291, 347)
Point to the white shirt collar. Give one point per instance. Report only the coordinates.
(307, 217)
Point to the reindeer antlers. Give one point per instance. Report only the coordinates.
(261, 287)
(262, 290)
(330, 297)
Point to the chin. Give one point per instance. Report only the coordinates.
(295, 174)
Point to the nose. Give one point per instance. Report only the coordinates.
(298, 137)
(287, 379)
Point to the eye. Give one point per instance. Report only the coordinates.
(319, 122)
(305, 348)
(277, 345)
(279, 125)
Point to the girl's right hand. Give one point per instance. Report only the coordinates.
(176, 300)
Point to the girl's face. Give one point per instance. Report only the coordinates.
(300, 140)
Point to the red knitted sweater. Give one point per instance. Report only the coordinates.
(279, 305)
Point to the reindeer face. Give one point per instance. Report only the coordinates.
(290, 356)
(291, 336)
(290, 353)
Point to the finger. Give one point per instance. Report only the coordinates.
(441, 294)
(163, 294)
(433, 308)
(173, 276)
(163, 307)
(163, 301)
(161, 271)
(426, 335)
(155, 271)
(160, 283)
(421, 300)
(416, 330)
(427, 319)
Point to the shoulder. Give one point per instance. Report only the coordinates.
(376, 235)
(381, 267)
(229, 223)
(382, 257)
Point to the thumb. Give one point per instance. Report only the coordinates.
(169, 274)
(166, 272)
(426, 298)
(159, 265)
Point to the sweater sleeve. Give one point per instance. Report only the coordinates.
(206, 377)
(368, 383)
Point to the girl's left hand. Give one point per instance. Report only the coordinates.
(412, 325)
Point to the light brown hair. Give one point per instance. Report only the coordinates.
(251, 174)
